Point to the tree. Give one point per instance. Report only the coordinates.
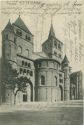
(13, 81)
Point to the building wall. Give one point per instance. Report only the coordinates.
(50, 91)
(24, 43)
(25, 65)
(66, 83)
(53, 48)
(10, 53)
(76, 86)
(26, 69)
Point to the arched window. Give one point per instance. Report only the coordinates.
(28, 38)
(31, 73)
(27, 52)
(25, 63)
(21, 70)
(59, 46)
(19, 32)
(27, 72)
(24, 71)
(42, 80)
(19, 50)
(22, 63)
(56, 80)
(61, 92)
(29, 65)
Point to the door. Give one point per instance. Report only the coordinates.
(61, 92)
(24, 97)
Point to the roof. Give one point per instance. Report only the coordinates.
(46, 59)
(65, 60)
(37, 55)
(24, 57)
(9, 26)
(19, 23)
(51, 33)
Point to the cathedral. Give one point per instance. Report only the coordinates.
(50, 78)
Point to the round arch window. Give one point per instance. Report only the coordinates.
(19, 50)
(26, 52)
(42, 80)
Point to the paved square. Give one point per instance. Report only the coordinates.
(55, 116)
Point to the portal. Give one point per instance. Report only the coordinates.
(24, 97)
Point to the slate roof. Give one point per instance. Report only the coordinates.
(52, 34)
(37, 55)
(19, 23)
(9, 26)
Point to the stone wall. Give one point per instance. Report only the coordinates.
(50, 91)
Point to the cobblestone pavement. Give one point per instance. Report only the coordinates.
(55, 116)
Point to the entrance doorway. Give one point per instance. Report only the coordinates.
(28, 93)
(24, 97)
(61, 91)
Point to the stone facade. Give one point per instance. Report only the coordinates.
(48, 72)
(48, 86)
(76, 87)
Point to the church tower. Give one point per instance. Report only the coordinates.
(8, 57)
(8, 47)
(52, 46)
(65, 68)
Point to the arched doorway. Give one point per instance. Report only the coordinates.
(28, 93)
(61, 91)
(73, 93)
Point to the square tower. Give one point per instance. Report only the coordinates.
(52, 46)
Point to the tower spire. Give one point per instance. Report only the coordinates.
(51, 33)
(65, 60)
(9, 20)
(19, 14)
(51, 19)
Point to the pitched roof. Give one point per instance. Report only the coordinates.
(9, 26)
(19, 23)
(65, 60)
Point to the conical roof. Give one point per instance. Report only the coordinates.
(65, 60)
(51, 33)
(19, 23)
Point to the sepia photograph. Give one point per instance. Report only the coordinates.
(41, 62)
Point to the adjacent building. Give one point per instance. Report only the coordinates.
(76, 87)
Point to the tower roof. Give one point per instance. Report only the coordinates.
(19, 23)
(65, 60)
(9, 26)
(51, 33)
